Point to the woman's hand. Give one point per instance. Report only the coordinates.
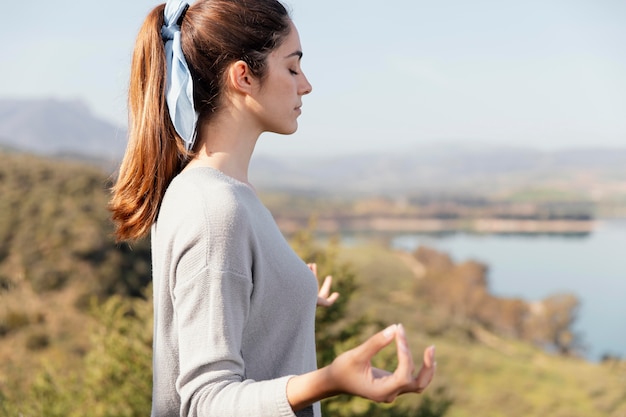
(352, 372)
(324, 297)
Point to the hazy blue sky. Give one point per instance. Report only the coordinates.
(386, 75)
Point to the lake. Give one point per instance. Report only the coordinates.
(592, 266)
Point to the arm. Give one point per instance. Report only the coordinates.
(211, 311)
(352, 373)
(213, 376)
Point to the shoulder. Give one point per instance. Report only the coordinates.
(203, 201)
(204, 219)
(204, 191)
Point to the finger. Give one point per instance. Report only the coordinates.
(333, 297)
(325, 290)
(427, 371)
(327, 301)
(313, 268)
(429, 356)
(405, 358)
(376, 343)
(321, 301)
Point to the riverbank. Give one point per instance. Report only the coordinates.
(533, 267)
(389, 224)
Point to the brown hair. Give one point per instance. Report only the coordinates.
(214, 34)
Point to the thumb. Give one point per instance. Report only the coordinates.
(377, 342)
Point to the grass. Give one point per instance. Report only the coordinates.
(493, 376)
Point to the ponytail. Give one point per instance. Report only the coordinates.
(154, 155)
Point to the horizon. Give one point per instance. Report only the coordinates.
(267, 152)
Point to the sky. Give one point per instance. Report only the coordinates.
(386, 76)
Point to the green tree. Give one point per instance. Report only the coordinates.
(115, 379)
(552, 321)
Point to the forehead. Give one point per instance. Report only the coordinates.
(291, 42)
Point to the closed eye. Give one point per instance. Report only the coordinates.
(293, 72)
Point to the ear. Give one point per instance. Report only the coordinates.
(240, 78)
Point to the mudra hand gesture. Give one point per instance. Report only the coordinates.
(352, 371)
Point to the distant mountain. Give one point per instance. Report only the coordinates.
(449, 167)
(52, 127)
(58, 128)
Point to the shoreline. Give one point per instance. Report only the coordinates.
(381, 224)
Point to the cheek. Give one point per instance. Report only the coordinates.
(288, 84)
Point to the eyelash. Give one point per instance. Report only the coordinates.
(293, 72)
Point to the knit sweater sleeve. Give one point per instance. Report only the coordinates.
(211, 309)
(211, 300)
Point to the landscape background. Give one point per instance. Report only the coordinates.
(75, 311)
(430, 122)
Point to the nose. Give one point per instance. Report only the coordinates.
(305, 86)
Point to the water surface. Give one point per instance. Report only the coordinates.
(533, 267)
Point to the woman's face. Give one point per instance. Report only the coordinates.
(279, 96)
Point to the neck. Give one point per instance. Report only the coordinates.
(226, 143)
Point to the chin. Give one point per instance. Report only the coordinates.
(286, 130)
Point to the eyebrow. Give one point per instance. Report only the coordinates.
(296, 53)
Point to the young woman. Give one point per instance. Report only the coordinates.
(234, 307)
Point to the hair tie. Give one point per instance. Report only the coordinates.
(179, 84)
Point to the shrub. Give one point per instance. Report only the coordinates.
(37, 341)
(13, 320)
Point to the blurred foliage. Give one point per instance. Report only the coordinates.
(56, 254)
(461, 293)
(335, 332)
(424, 211)
(55, 229)
(486, 371)
(113, 379)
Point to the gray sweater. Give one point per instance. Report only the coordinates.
(234, 306)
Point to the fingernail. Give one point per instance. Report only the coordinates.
(402, 342)
(390, 331)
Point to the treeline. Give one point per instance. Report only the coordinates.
(540, 205)
(454, 208)
(460, 293)
(435, 213)
(55, 230)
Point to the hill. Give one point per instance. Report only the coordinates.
(57, 254)
(75, 315)
(484, 372)
(69, 128)
(452, 168)
(53, 127)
